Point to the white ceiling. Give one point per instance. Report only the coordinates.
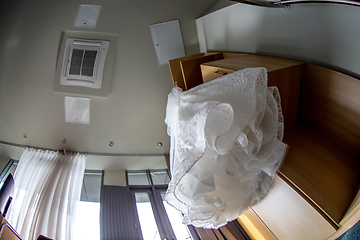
(132, 116)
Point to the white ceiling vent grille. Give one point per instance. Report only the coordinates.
(83, 62)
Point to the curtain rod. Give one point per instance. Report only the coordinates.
(287, 3)
(347, 2)
(89, 153)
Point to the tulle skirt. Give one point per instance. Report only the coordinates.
(226, 146)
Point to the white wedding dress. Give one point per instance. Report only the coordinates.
(226, 146)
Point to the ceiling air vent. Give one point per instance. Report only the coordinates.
(83, 62)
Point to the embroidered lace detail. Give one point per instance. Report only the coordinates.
(226, 146)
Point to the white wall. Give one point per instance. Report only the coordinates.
(325, 34)
(3, 162)
(115, 178)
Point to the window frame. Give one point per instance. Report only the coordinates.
(161, 218)
(99, 172)
(160, 214)
(5, 172)
(93, 172)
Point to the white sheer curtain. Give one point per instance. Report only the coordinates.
(47, 189)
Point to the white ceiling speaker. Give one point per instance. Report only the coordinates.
(77, 110)
(87, 16)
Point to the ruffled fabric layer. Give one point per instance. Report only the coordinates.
(226, 146)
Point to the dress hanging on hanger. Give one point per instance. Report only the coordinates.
(226, 146)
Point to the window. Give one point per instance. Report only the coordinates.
(7, 191)
(138, 178)
(158, 220)
(88, 208)
(147, 220)
(160, 177)
(9, 168)
(175, 217)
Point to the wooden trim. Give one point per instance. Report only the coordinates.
(167, 160)
(353, 209)
(255, 227)
(251, 61)
(185, 71)
(288, 82)
(351, 222)
(233, 55)
(7, 231)
(175, 70)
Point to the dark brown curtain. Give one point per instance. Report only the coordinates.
(231, 231)
(118, 217)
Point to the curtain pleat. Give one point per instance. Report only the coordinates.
(47, 189)
(118, 219)
(231, 231)
(237, 231)
(206, 234)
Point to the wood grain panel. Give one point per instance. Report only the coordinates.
(288, 81)
(210, 73)
(324, 171)
(255, 227)
(191, 69)
(289, 216)
(251, 61)
(175, 69)
(284, 74)
(330, 102)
